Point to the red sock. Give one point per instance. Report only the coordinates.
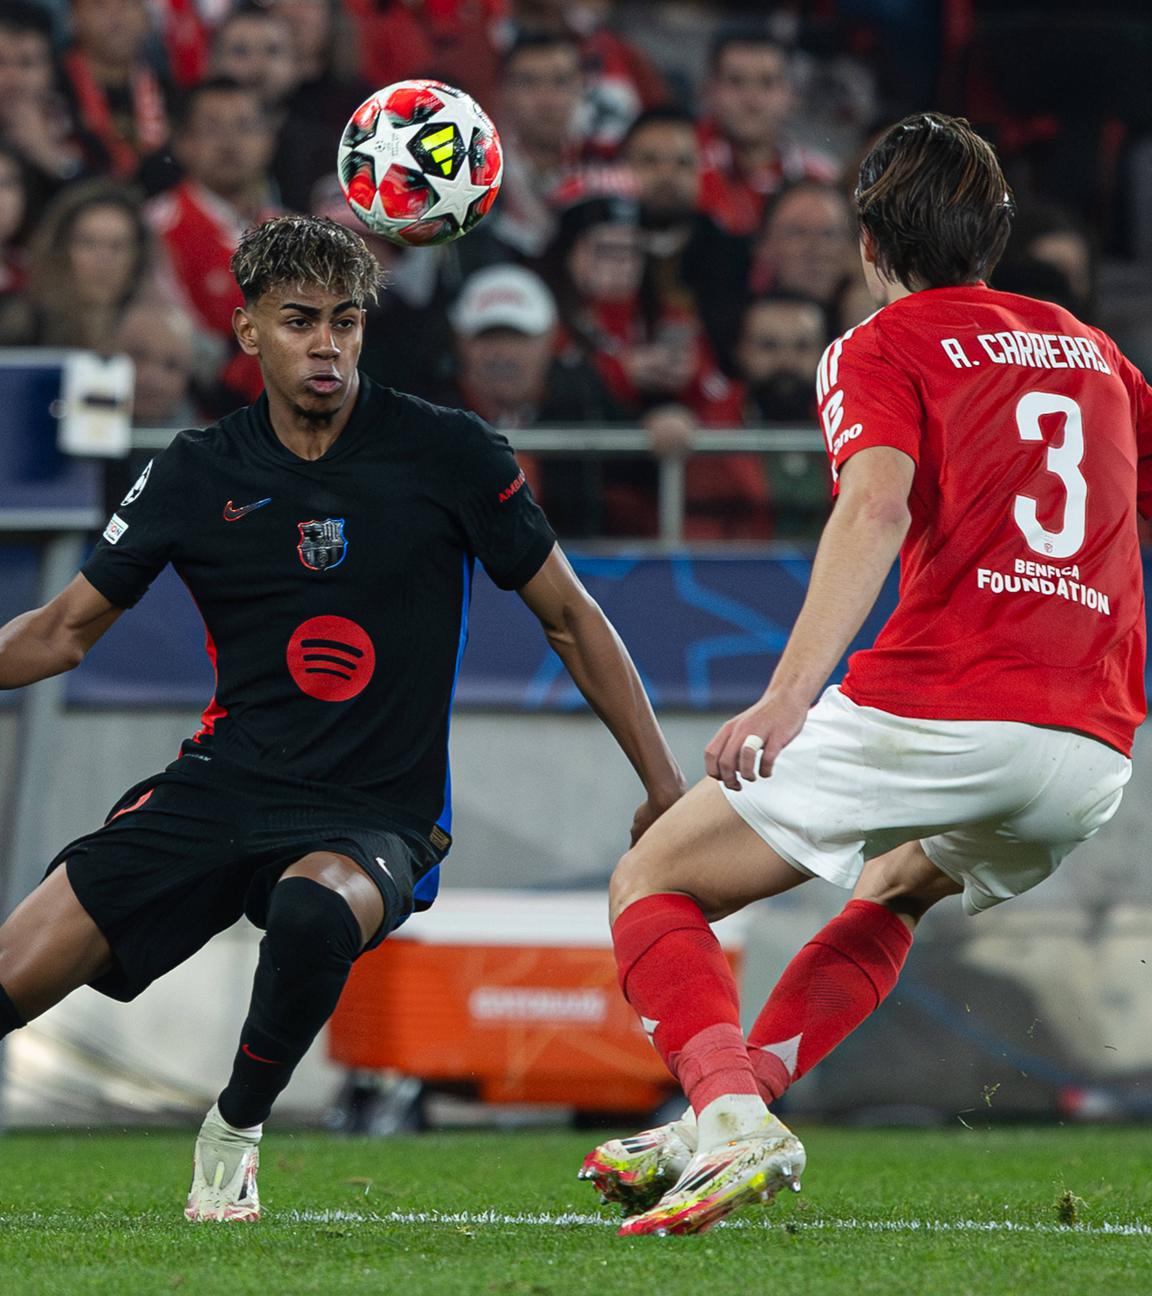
(674, 973)
(837, 980)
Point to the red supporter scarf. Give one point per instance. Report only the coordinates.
(151, 125)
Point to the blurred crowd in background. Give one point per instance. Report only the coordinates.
(674, 243)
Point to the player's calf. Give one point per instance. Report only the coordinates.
(307, 952)
(311, 940)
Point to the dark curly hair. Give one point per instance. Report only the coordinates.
(305, 250)
(934, 202)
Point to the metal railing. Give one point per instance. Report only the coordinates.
(626, 442)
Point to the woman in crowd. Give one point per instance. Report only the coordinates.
(16, 213)
(658, 366)
(90, 259)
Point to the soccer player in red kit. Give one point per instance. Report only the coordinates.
(1000, 447)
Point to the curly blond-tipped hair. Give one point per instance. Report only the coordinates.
(305, 250)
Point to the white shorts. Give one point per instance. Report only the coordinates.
(995, 804)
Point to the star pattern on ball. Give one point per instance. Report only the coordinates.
(395, 151)
(453, 196)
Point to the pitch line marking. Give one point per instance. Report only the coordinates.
(562, 1219)
(547, 1219)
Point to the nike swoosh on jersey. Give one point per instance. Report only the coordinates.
(234, 514)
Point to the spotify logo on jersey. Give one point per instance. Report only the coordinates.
(331, 658)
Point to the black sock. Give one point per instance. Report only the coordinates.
(10, 1018)
(312, 937)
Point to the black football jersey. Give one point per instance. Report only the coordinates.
(335, 591)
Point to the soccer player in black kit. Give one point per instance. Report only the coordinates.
(328, 534)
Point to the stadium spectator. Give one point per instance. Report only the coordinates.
(539, 115)
(659, 368)
(90, 258)
(620, 81)
(329, 88)
(15, 217)
(119, 97)
(452, 40)
(224, 142)
(35, 116)
(746, 150)
(255, 47)
(596, 267)
(781, 342)
(505, 330)
(183, 28)
(505, 327)
(26, 66)
(807, 244)
(690, 262)
(1057, 237)
(160, 340)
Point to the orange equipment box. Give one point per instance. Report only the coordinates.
(512, 994)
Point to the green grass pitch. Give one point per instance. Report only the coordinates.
(964, 1213)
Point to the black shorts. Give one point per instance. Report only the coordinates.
(184, 854)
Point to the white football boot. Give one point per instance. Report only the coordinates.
(745, 1171)
(224, 1172)
(635, 1172)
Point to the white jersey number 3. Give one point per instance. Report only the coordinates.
(1064, 461)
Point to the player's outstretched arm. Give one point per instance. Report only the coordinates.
(595, 657)
(54, 638)
(856, 553)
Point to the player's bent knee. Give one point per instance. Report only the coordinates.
(631, 881)
(640, 873)
(345, 878)
(905, 881)
(308, 922)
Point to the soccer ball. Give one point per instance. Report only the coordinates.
(420, 162)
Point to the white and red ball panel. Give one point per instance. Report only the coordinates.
(420, 162)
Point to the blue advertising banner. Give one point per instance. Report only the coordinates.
(705, 632)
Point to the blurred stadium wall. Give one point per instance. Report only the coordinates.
(1045, 1004)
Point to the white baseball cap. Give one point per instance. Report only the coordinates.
(504, 296)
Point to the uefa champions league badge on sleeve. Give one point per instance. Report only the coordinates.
(420, 162)
(138, 486)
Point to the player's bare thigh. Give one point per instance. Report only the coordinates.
(49, 947)
(702, 848)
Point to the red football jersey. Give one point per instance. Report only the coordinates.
(1021, 591)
